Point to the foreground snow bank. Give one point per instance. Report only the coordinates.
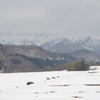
(62, 85)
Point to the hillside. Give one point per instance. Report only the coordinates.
(30, 51)
(79, 55)
(23, 58)
(30, 58)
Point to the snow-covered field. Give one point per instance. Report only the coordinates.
(63, 85)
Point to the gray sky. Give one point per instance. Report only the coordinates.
(55, 16)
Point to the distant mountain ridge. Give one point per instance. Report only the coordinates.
(59, 43)
(37, 38)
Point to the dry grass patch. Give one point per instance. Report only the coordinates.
(52, 91)
(36, 92)
(98, 91)
(76, 97)
(80, 91)
(60, 85)
(92, 84)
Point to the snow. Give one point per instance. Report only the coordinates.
(39, 38)
(67, 85)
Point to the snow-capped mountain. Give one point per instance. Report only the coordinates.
(60, 43)
(37, 38)
(25, 38)
(65, 45)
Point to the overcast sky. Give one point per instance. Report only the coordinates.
(55, 16)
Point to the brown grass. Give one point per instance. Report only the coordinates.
(92, 84)
(52, 91)
(76, 97)
(98, 91)
(80, 92)
(60, 85)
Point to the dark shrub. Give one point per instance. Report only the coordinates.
(77, 66)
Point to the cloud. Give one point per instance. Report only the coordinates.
(24, 14)
(50, 16)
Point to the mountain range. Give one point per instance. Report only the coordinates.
(59, 43)
(27, 58)
(27, 52)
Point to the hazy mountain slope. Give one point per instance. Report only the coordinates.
(86, 55)
(65, 45)
(81, 55)
(92, 44)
